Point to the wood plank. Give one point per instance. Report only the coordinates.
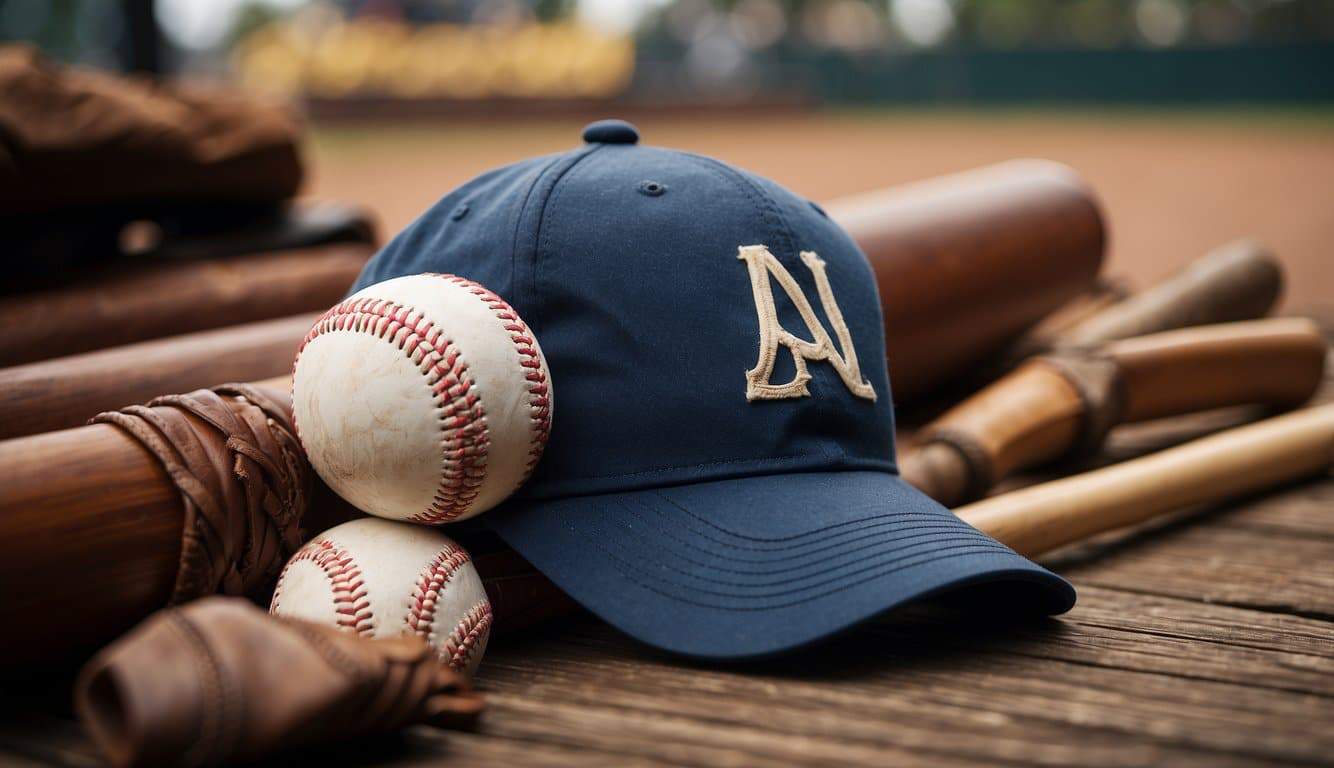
(1144, 633)
(1306, 511)
(1262, 569)
(975, 703)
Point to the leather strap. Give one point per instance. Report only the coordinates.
(219, 681)
(1033, 415)
(1101, 387)
(244, 482)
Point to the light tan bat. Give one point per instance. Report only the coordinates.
(1058, 405)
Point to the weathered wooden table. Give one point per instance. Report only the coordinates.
(1207, 639)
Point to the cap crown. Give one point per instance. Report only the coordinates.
(699, 322)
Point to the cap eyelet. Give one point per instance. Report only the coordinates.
(817, 208)
(460, 212)
(652, 188)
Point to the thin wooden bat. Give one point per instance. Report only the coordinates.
(1238, 281)
(1237, 461)
(66, 391)
(1055, 405)
(174, 298)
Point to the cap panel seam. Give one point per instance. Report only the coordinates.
(542, 237)
(518, 223)
(535, 317)
(758, 197)
(767, 208)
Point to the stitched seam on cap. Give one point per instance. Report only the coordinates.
(767, 207)
(845, 542)
(542, 235)
(881, 548)
(519, 218)
(866, 575)
(791, 547)
(785, 591)
(758, 197)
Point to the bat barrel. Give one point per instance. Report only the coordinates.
(966, 263)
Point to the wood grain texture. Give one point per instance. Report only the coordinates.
(1202, 640)
(66, 391)
(112, 308)
(1000, 248)
(1244, 460)
(86, 564)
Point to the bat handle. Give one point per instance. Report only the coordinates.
(1238, 281)
(1279, 363)
(1237, 461)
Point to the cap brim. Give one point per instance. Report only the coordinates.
(757, 566)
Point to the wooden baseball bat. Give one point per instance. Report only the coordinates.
(1238, 281)
(1237, 461)
(1241, 280)
(164, 299)
(90, 541)
(90, 536)
(1055, 405)
(966, 263)
(66, 391)
(993, 249)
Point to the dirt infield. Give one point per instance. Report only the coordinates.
(1173, 185)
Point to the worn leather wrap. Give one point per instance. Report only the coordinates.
(232, 453)
(1042, 410)
(220, 681)
(1064, 404)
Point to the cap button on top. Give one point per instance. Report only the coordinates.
(611, 132)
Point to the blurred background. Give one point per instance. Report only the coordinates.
(1196, 121)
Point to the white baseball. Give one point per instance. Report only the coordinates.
(381, 578)
(422, 398)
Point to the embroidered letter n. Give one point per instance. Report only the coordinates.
(762, 264)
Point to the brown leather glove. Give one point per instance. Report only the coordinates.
(76, 136)
(220, 681)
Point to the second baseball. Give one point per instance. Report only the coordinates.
(380, 578)
(423, 398)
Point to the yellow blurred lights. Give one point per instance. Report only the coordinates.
(370, 57)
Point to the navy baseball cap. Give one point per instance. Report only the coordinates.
(720, 478)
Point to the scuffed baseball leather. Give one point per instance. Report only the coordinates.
(244, 482)
(220, 681)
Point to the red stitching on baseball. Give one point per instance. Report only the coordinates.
(464, 439)
(539, 390)
(349, 590)
(431, 582)
(462, 642)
